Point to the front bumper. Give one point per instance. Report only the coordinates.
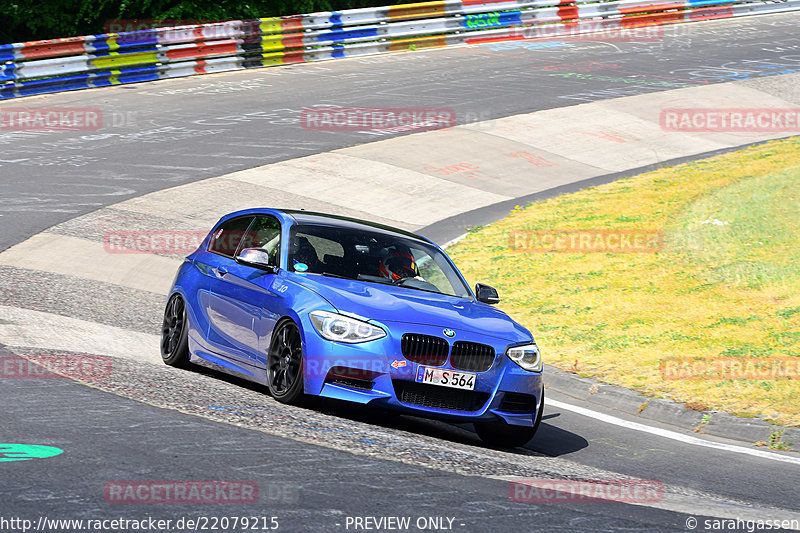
(377, 373)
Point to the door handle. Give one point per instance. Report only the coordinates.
(221, 271)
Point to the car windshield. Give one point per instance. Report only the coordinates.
(373, 257)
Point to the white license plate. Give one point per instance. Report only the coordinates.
(446, 378)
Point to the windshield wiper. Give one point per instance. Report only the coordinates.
(373, 279)
(384, 281)
(400, 284)
(332, 275)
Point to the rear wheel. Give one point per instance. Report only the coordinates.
(505, 435)
(175, 333)
(285, 364)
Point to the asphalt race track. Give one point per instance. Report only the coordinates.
(318, 468)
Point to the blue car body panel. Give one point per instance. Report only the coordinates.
(233, 309)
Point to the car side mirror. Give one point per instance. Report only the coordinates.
(256, 258)
(486, 294)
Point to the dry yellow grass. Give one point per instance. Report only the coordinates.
(714, 290)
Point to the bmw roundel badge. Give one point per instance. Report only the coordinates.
(449, 332)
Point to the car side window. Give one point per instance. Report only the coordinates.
(228, 235)
(265, 233)
(316, 253)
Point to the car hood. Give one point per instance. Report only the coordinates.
(387, 303)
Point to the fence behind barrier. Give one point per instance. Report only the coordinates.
(40, 67)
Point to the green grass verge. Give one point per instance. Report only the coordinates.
(725, 284)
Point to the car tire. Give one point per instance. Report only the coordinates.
(175, 333)
(504, 435)
(285, 364)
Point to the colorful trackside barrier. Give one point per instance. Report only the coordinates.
(39, 67)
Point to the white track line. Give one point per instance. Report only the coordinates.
(674, 435)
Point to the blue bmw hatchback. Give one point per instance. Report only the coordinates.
(322, 305)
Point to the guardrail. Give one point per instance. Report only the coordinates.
(39, 67)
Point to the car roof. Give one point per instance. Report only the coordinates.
(326, 219)
(299, 216)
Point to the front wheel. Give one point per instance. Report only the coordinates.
(285, 364)
(175, 333)
(505, 435)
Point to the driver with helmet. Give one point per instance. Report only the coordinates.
(397, 264)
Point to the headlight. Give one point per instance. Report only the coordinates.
(340, 328)
(528, 357)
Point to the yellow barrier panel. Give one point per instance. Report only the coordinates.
(415, 11)
(122, 60)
